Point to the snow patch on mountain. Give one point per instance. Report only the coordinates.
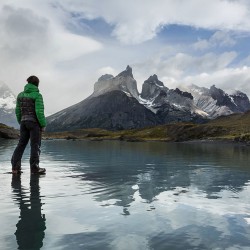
(149, 104)
(7, 106)
(7, 98)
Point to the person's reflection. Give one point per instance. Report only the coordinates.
(31, 226)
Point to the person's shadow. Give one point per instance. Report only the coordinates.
(30, 229)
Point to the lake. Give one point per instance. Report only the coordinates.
(127, 195)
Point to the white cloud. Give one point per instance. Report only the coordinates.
(202, 44)
(227, 79)
(222, 38)
(107, 70)
(218, 39)
(138, 21)
(70, 46)
(35, 39)
(24, 35)
(204, 70)
(182, 64)
(31, 43)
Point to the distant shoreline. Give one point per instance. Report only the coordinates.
(223, 130)
(195, 141)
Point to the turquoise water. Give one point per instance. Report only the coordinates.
(122, 195)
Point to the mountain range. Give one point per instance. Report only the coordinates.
(116, 104)
(7, 106)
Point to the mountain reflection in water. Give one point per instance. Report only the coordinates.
(156, 167)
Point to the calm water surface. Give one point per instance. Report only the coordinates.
(121, 195)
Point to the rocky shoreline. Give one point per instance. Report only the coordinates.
(7, 132)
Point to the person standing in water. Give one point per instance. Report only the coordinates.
(30, 116)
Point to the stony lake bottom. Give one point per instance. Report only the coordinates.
(127, 195)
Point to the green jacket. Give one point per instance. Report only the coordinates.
(31, 92)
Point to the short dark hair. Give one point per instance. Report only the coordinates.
(33, 80)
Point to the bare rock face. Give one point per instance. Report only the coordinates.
(184, 94)
(222, 98)
(113, 110)
(104, 84)
(169, 104)
(152, 87)
(241, 100)
(124, 82)
(216, 102)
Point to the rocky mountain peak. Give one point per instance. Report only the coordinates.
(154, 80)
(152, 87)
(241, 100)
(127, 72)
(184, 93)
(7, 106)
(154, 77)
(222, 98)
(124, 82)
(214, 91)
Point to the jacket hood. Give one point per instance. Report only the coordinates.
(30, 88)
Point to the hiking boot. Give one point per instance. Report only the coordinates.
(38, 170)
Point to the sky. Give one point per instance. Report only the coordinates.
(70, 44)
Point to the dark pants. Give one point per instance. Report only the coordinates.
(28, 131)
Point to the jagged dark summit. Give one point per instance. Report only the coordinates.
(127, 72)
(152, 88)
